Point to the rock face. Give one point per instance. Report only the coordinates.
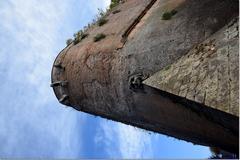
(105, 78)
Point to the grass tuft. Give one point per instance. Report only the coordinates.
(168, 15)
(102, 21)
(79, 36)
(173, 12)
(116, 11)
(99, 37)
(69, 41)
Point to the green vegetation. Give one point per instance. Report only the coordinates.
(168, 67)
(102, 21)
(116, 11)
(79, 36)
(69, 41)
(168, 15)
(99, 37)
(173, 12)
(99, 20)
(114, 3)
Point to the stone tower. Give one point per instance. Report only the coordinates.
(177, 77)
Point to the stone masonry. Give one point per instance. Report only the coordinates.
(208, 74)
(189, 95)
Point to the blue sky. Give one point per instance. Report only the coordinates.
(33, 124)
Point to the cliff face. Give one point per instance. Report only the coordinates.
(104, 78)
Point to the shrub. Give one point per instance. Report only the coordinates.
(101, 13)
(79, 36)
(99, 37)
(84, 35)
(98, 20)
(100, 16)
(168, 67)
(69, 41)
(168, 15)
(102, 21)
(116, 11)
(114, 3)
(173, 12)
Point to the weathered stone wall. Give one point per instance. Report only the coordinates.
(98, 74)
(156, 43)
(208, 74)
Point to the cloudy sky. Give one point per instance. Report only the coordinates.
(33, 124)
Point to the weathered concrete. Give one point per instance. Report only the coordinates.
(100, 75)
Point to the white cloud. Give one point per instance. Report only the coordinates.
(95, 4)
(32, 122)
(134, 143)
(131, 142)
(106, 3)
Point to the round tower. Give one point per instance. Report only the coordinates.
(103, 74)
